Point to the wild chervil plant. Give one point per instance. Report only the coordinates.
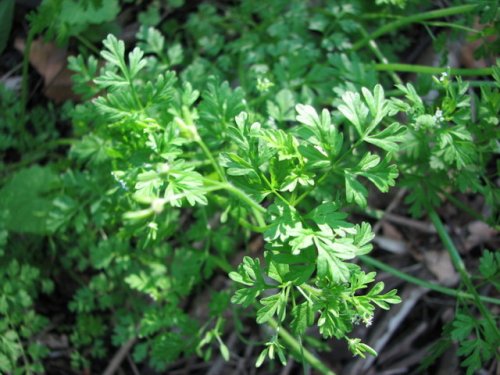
(449, 151)
(243, 123)
(454, 146)
(155, 134)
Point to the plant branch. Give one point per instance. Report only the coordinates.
(119, 356)
(87, 44)
(451, 25)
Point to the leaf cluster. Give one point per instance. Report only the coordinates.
(251, 120)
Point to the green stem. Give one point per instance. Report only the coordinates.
(134, 95)
(460, 267)
(222, 263)
(36, 155)
(190, 123)
(423, 283)
(87, 44)
(451, 25)
(476, 83)
(223, 202)
(244, 197)
(410, 68)
(306, 193)
(210, 157)
(272, 189)
(25, 81)
(254, 228)
(288, 339)
(379, 16)
(448, 243)
(257, 209)
(459, 204)
(378, 53)
(130, 81)
(299, 350)
(419, 17)
(261, 98)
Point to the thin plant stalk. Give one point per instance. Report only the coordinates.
(257, 209)
(25, 80)
(88, 44)
(299, 349)
(378, 53)
(419, 17)
(290, 341)
(423, 69)
(460, 267)
(423, 283)
(459, 204)
(451, 25)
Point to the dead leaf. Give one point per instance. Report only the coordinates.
(50, 62)
(439, 263)
(468, 49)
(479, 233)
(390, 231)
(256, 245)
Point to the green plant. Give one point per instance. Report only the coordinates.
(478, 342)
(146, 149)
(208, 136)
(449, 148)
(20, 353)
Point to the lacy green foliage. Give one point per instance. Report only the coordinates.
(61, 19)
(24, 200)
(252, 119)
(20, 353)
(448, 146)
(489, 267)
(15, 139)
(477, 344)
(150, 137)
